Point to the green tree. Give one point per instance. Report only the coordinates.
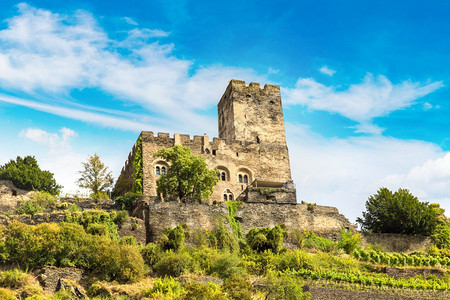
(188, 175)
(399, 212)
(26, 174)
(95, 177)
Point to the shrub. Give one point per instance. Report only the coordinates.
(441, 236)
(349, 242)
(294, 260)
(173, 239)
(284, 287)
(266, 239)
(165, 288)
(227, 265)
(313, 241)
(222, 239)
(203, 291)
(13, 279)
(126, 201)
(173, 264)
(151, 254)
(128, 240)
(238, 287)
(6, 294)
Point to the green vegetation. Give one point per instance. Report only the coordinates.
(188, 175)
(95, 177)
(137, 186)
(235, 225)
(399, 212)
(26, 174)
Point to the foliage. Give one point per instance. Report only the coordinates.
(294, 260)
(238, 287)
(137, 186)
(441, 236)
(188, 175)
(267, 191)
(203, 291)
(26, 174)
(226, 265)
(265, 239)
(40, 202)
(282, 286)
(151, 254)
(349, 242)
(399, 212)
(221, 238)
(313, 241)
(235, 225)
(69, 245)
(95, 177)
(6, 294)
(126, 201)
(165, 288)
(173, 238)
(173, 264)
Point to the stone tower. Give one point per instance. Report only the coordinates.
(250, 113)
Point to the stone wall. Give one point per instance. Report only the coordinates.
(270, 195)
(10, 196)
(323, 220)
(393, 242)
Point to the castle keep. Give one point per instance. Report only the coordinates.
(250, 152)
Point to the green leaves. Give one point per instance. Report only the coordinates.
(399, 212)
(188, 175)
(26, 174)
(95, 177)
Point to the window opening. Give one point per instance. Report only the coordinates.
(225, 197)
(214, 152)
(158, 171)
(14, 192)
(223, 176)
(240, 178)
(230, 197)
(237, 153)
(245, 179)
(163, 171)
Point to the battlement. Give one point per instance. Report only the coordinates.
(253, 86)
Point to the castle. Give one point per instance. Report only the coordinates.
(250, 152)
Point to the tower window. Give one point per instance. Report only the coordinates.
(237, 154)
(245, 179)
(163, 171)
(225, 197)
(230, 197)
(223, 176)
(240, 178)
(158, 171)
(214, 152)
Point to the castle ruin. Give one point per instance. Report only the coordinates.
(250, 152)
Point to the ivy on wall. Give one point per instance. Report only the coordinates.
(138, 169)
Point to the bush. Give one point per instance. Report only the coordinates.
(151, 254)
(284, 287)
(173, 239)
(349, 242)
(6, 294)
(126, 201)
(238, 287)
(222, 239)
(203, 291)
(313, 241)
(165, 288)
(266, 239)
(441, 236)
(227, 265)
(173, 264)
(294, 260)
(13, 279)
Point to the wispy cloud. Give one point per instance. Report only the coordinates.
(57, 142)
(361, 102)
(51, 53)
(327, 71)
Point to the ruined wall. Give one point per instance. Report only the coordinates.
(10, 196)
(394, 242)
(323, 220)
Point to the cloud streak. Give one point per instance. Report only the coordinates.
(362, 102)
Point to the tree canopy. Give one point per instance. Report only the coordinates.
(26, 174)
(95, 177)
(188, 175)
(399, 212)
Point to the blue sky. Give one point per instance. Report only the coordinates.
(364, 85)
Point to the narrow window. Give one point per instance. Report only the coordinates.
(237, 154)
(223, 176)
(218, 176)
(14, 192)
(163, 171)
(214, 152)
(230, 197)
(257, 139)
(240, 178)
(245, 179)
(158, 171)
(225, 197)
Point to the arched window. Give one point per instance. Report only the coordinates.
(230, 197)
(225, 197)
(245, 179)
(240, 177)
(158, 170)
(163, 170)
(223, 177)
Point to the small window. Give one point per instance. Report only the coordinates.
(237, 154)
(225, 197)
(230, 197)
(240, 178)
(14, 192)
(218, 176)
(163, 171)
(158, 171)
(214, 152)
(223, 176)
(257, 139)
(245, 179)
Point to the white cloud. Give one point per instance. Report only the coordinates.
(56, 142)
(42, 52)
(344, 172)
(130, 21)
(327, 71)
(374, 97)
